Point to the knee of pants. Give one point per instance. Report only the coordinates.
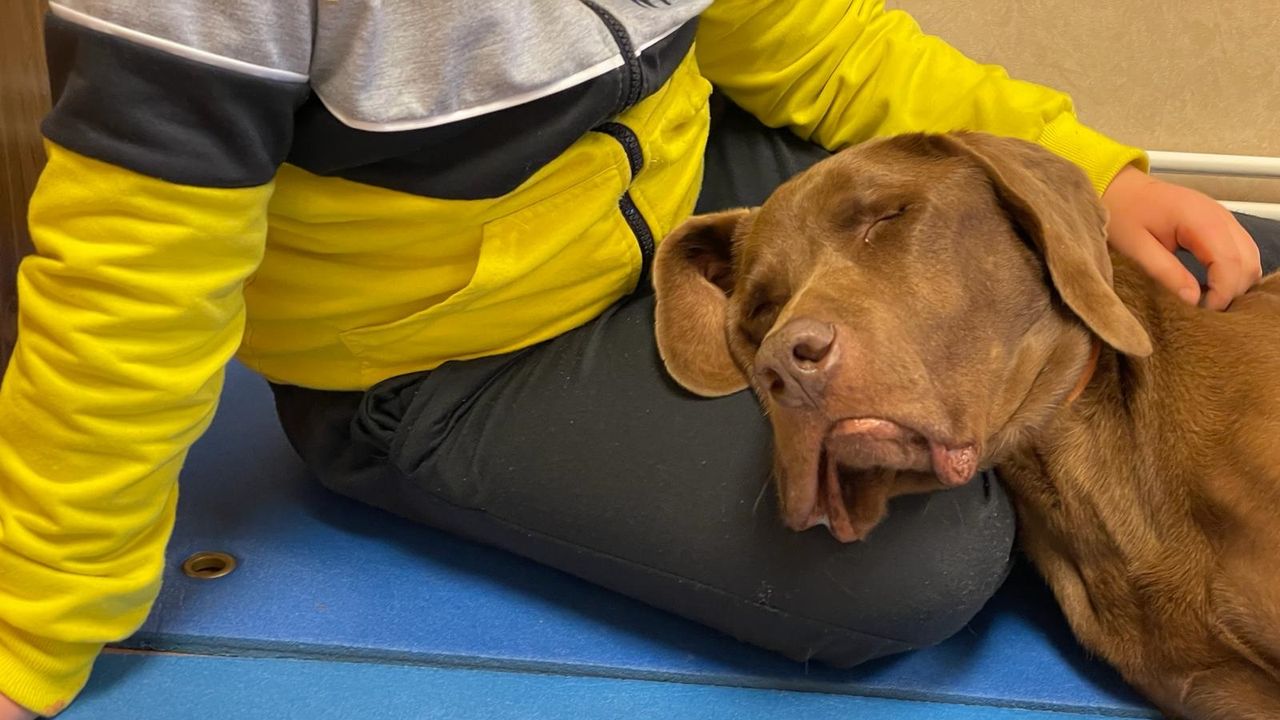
(918, 594)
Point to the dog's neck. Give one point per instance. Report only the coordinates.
(1095, 425)
(1086, 375)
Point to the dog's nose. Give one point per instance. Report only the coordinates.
(793, 362)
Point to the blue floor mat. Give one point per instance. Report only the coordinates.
(324, 577)
(162, 687)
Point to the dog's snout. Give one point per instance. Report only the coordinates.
(811, 345)
(793, 362)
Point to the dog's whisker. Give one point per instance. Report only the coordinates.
(839, 584)
(760, 496)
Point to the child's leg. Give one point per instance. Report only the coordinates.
(581, 454)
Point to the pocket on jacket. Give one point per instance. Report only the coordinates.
(542, 270)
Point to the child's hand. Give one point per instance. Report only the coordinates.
(1150, 219)
(9, 710)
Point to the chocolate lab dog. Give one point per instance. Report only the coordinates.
(915, 308)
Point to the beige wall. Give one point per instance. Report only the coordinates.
(1174, 75)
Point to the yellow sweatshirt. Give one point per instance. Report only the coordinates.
(343, 192)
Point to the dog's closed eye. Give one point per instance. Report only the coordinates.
(760, 314)
(882, 219)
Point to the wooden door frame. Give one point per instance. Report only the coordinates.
(24, 100)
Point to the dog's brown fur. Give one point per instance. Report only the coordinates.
(966, 320)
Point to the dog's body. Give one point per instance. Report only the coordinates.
(1150, 504)
(912, 309)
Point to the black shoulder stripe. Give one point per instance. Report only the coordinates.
(165, 116)
(485, 156)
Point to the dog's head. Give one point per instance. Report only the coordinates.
(905, 311)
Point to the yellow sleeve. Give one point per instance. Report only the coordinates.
(129, 309)
(839, 73)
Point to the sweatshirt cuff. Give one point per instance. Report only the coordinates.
(1099, 156)
(42, 675)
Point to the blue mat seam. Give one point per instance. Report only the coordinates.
(202, 646)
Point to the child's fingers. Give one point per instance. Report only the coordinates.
(10, 710)
(1249, 251)
(1150, 219)
(1249, 266)
(1207, 234)
(1156, 260)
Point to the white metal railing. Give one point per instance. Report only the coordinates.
(1266, 210)
(1211, 164)
(1232, 165)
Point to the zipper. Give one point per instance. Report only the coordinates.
(629, 142)
(644, 238)
(629, 91)
(639, 227)
(632, 84)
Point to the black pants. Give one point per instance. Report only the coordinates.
(581, 454)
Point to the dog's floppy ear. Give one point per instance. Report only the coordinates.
(692, 278)
(1054, 203)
